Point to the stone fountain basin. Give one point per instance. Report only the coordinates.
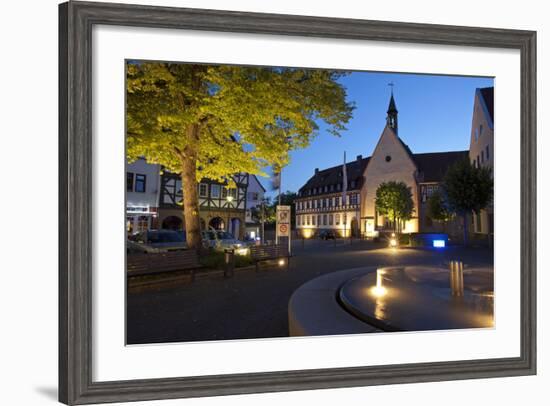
(417, 298)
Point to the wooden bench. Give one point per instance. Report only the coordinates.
(154, 263)
(260, 253)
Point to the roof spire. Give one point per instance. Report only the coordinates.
(391, 118)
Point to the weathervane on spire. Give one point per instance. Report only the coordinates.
(391, 119)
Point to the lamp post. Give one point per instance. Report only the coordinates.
(229, 199)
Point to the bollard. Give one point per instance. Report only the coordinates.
(229, 259)
(456, 277)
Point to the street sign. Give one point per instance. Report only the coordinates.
(283, 221)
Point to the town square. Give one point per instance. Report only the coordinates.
(306, 202)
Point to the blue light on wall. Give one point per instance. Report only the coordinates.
(439, 243)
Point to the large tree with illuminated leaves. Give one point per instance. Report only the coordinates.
(209, 121)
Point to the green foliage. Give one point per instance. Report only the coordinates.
(265, 212)
(404, 239)
(213, 121)
(248, 118)
(438, 207)
(394, 200)
(216, 260)
(468, 189)
(270, 208)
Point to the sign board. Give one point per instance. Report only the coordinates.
(283, 221)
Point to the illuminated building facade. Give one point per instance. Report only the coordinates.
(482, 151)
(320, 201)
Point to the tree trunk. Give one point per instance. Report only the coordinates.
(190, 192)
(465, 226)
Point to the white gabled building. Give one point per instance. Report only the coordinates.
(254, 197)
(319, 204)
(142, 195)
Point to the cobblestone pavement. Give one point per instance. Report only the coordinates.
(254, 304)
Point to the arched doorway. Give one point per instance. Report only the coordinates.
(354, 228)
(172, 223)
(216, 223)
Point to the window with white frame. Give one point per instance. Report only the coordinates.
(215, 191)
(140, 182)
(203, 190)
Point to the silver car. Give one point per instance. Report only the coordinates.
(222, 240)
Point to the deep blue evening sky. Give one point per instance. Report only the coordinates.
(435, 114)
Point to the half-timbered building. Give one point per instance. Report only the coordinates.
(220, 207)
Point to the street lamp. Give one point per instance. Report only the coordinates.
(229, 199)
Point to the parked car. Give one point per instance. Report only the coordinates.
(327, 235)
(222, 240)
(133, 247)
(168, 240)
(250, 242)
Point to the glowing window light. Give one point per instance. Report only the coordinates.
(439, 243)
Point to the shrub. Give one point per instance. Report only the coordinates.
(216, 260)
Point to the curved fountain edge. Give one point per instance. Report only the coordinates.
(313, 308)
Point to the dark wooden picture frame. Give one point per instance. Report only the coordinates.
(76, 20)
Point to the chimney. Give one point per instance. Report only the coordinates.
(316, 171)
(359, 157)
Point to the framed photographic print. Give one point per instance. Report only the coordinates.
(257, 202)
